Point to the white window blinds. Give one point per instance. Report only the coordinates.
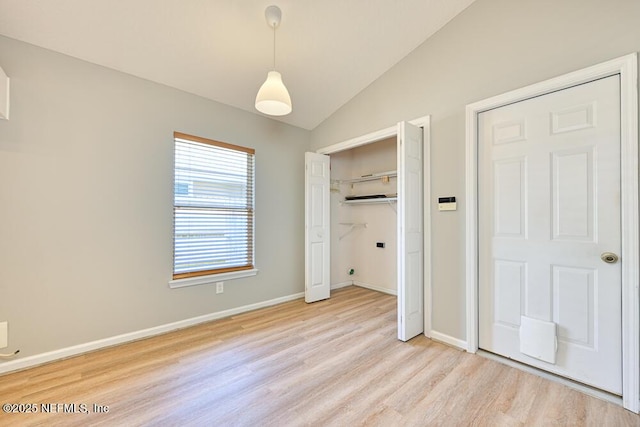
(213, 207)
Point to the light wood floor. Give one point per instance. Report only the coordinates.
(331, 363)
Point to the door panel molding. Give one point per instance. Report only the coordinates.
(626, 67)
(317, 232)
(410, 231)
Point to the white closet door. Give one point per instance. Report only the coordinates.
(549, 207)
(317, 228)
(410, 245)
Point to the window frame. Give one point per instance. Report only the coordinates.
(198, 277)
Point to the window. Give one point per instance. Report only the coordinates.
(213, 209)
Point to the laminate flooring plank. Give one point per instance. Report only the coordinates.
(335, 362)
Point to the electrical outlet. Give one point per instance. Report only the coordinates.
(4, 334)
(219, 287)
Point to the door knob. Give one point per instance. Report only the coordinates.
(609, 257)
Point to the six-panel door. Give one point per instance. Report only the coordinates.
(549, 206)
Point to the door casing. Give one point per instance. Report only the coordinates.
(626, 67)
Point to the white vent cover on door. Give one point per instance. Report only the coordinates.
(538, 339)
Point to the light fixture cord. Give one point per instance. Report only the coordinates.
(274, 47)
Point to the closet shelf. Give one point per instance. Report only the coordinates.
(370, 201)
(372, 177)
(352, 226)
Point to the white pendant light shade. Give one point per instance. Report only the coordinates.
(273, 97)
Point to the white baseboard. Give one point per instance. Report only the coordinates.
(448, 339)
(375, 288)
(342, 285)
(63, 353)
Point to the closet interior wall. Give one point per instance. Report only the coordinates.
(356, 228)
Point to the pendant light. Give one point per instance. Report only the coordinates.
(273, 97)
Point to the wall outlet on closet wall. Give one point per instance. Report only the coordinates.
(219, 287)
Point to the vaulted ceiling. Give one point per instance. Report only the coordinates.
(327, 50)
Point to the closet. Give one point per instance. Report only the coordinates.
(363, 198)
(364, 218)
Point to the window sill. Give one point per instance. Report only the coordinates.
(204, 280)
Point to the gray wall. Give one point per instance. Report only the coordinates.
(494, 46)
(86, 167)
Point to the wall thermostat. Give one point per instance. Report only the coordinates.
(447, 203)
